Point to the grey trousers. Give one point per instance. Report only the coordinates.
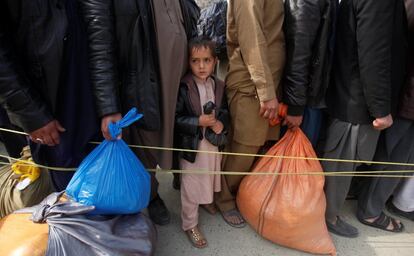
(404, 196)
(345, 141)
(396, 144)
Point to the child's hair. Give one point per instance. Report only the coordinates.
(200, 42)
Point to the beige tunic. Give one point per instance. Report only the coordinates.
(256, 51)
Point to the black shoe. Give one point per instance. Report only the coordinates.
(341, 228)
(394, 210)
(158, 212)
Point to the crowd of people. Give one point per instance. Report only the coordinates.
(344, 68)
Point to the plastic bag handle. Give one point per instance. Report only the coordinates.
(116, 128)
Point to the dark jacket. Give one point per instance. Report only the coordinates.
(369, 60)
(44, 76)
(309, 31)
(32, 39)
(187, 131)
(123, 57)
(407, 99)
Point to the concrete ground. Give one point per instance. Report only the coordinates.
(225, 240)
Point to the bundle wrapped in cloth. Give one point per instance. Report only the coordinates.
(22, 184)
(288, 207)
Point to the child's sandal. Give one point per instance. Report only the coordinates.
(196, 238)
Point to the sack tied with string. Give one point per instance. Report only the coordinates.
(22, 184)
(111, 177)
(288, 209)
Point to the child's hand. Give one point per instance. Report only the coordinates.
(217, 127)
(207, 120)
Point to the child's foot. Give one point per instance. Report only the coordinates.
(196, 238)
(210, 208)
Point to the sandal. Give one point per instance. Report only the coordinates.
(382, 222)
(233, 213)
(210, 208)
(394, 210)
(196, 238)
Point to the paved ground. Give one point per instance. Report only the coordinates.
(224, 240)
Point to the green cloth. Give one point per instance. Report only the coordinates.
(12, 199)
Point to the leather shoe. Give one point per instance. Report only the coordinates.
(158, 212)
(341, 228)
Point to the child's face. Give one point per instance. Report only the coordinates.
(202, 62)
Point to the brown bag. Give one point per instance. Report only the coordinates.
(20, 236)
(288, 209)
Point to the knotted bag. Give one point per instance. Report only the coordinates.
(288, 207)
(111, 177)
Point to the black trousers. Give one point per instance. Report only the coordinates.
(135, 136)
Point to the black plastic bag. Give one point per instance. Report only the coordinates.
(218, 140)
(212, 23)
(191, 14)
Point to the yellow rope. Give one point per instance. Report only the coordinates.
(269, 156)
(248, 155)
(262, 173)
(14, 131)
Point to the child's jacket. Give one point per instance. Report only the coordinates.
(187, 131)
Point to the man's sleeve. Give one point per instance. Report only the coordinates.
(23, 106)
(302, 20)
(374, 39)
(249, 21)
(99, 18)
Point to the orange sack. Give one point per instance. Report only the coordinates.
(288, 209)
(20, 236)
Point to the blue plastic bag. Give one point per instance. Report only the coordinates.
(111, 177)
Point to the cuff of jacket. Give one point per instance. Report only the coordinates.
(295, 110)
(30, 122)
(380, 111)
(27, 112)
(266, 93)
(104, 111)
(380, 114)
(194, 126)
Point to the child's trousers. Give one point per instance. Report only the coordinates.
(189, 212)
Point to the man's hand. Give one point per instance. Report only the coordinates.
(293, 122)
(48, 134)
(382, 123)
(207, 120)
(217, 127)
(268, 109)
(106, 120)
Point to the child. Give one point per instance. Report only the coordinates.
(201, 120)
